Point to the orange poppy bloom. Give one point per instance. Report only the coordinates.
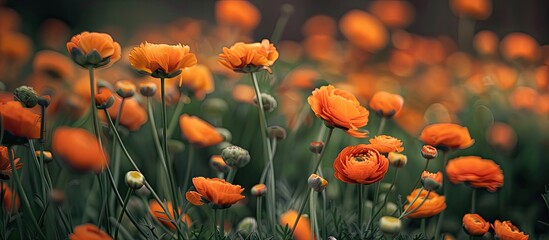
(7, 199)
(486, 42)
(302, 229)
(217, 191)
(386, 104)
(363, 30)
(446, 135)
(360, 164)
(5, 164)
(161, 60)
(158, 213)
(524, 98)
(54, 64)
(386, 144)
(241, 14)
(93, 49)
(88, 232)
(198, 79)
(502, 136)
(433, 204)
(507, 231)
(394, 14)
(477, 172)
(339, 108)
(243, 93)
(478, 9)
(249, 57)
(19, 121)
(319, 25)
(79, 149)
(519, 46)
(133, 114)
(475, 225)
(199, 132)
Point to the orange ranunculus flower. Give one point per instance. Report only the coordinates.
(88, 232)
(475, 225)
(302, 229)
(363, 30)
(133, 114)
(507, 231)
(431, 181)
(161, 60)
(486, 42)
(198, 79)
(433, 204)
(477, 172)
(478, 9)
(241, 14)
(249, 57)
(19, 121)
(93, 49)
(386, 104)
(199, 132)
(79, 149)
(519, 46)
(386, 144)
(54, 64)
(5, 164)
(217, 191)
(394, 14)
(360, 164)
(446, 135)
(158, 213)
(339, 108)
(7, 199)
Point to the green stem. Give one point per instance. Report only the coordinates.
(281, 23)
(420, 204)
(320, 157)
(267, 167)
(164, 208)
(175, 201)
(473, 200)
(411, 203)
(381, 125)
(300, 212)
(423, 228)
(92, 107)
(156, 140)
(360, 204)
(174, 120)
(189, 166)
(384, 200)
(374, 201)
(312, 213)
(445, 191)
(258, 214)
(126, 199)
(215, 224)
(232, 173)
(114, 152)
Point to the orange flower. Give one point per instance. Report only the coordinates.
(104, 98)
(158, 213)
(363, 30)
(133, 114)
(54, 64)
(507, 231)
(386, 144)
(300, 78)
(93, 49)
(243, 93)
(249, 57)
(524, 98)
(519, 46)
(478, 9)
(88, 232)
(486, 42)
(5, 164)
(446, 135)
(360, 164)
(199, 132)
(15, 48)
(433, 204)
(501, 136)
(19, 121)
(386, 104)
(475, 225)
(7, 199)
(241, 14)
(477, 172)
(198, 79)
(339, 108)
(217, 191)
(161, 60)
(394, 14)
(319, 25)
(302, 229)
(79, 149)
(431, 181)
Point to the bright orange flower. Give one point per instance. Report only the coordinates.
(198, 79)
(300, 78)
(5, 164)
(217, 191)
(161, 60)
(249, 57)
(542, 78)
(302, 229)
(158, 213)
(133, 114)
(431, 181)
(433, 204)
(339, 108)
(501, 136)
(386, 144)
(386, 104)
(104, 98)
(447, 135)
(7, 199)
(88, 232)
(394, 14)
(360, 164)
(54, 64)
(519, 46)
(241, 14)
(478, 9)
(524, 98)
(79, 149)
(477, 172)
(475, 225)
(19, 121)
(199, 132)
(93, 49)
(507, 231)
(486, 42)
(364, 30)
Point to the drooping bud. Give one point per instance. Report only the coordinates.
(431, 181)
(269, 102)
(124, 88)
(390, 225)
(317, 183)
(397, 159)
(316, 147)
(277, 132)
(217, 163)
(235, 156)
(147, 89)
(135, 179)
(429, 152)
(48, 157)
(26, 95)
(259, 190)
(247, 226)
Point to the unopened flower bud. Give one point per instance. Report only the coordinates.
(269, 102)
(331, 238)
(431, 181)
(235, 156)
(397, 159)
(147, 89)
(390, 225)
(277, 132)
(47, 156)
(428, 152)
(259, 190)
(125, 89)
(225, 133)
(316, 147)
(135, 179)
(217, 163)
(317, 183)
(56, 197)
(44, 101)
(104, 99)
(214, 106)
(26, 95)
(247, 226)
(390, 208)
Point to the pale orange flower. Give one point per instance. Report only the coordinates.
(88, 232)
(520, 46)
(542, 78)
(300, 78)
(360, 164)
(217, 191)
(5, 164)
(160, 215)
(386, 144)
(501, 136)
(475, 171)
(199, 132)
(198, 79)
(19, 121)
(431, 181)
(508, 231)
(475, 225)
(478, 9)
(241, 14)
(243, 93)
(161, 60)
(386, 104)
(249, 57)
(486, 42)
(433, 204)
(394, 14)
(302, 230)
(93, 49)
(79, 149)
(448, 135)
(524, 98)
(363, 30)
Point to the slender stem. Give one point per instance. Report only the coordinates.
(419, 176)
(381, 125)
(384, 200)
(473, 200)
(300, 212)
(164, 208)
(44, 182)
(374, 202)
(281, 24)
(320, 157)
(420, 204)
(423, 227)
(126, 199)
(175, 117)
(324, 208)
(445, 191)
(312, 213)
(215, 224)
(156, 140)
(360, 188)
(232, 173)
(411, 203)
(92, 107)
(189, 166)
(267, 167)
(175, 201)
(115, 152)
(258, 214)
